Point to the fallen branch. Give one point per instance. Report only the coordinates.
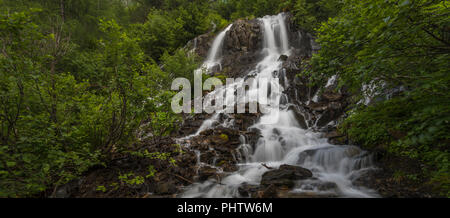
(264, 165)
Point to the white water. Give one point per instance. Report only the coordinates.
(283, 141)
(215, 52)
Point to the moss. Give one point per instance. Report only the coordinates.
(221, 163)
(224, 137)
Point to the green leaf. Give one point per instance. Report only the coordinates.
(10, 163)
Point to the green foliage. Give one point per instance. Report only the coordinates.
(309, 14)
(393, 44)
(131, 179)
(172, 24)
(224, 137)
(55, 124)
(79, 78)
(101, 188)
(40, 141)
(180, 64)
(160, 34)
(151, 172)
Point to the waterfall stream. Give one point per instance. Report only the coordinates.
(215, 51)
(282, 139)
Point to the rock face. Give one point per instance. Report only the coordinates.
(244, 36)
(242, 47)
(243, 44)
(201, 44)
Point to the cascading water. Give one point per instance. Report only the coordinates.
(215, 51)
(282, 139)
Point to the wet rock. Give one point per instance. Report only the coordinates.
(283, 58)
(308, 153)
(303, 42)
(219, 139)
(332, 134)
(242, 44)
(325, 186)
(291, 64)
(244, 120)
(252, 135)
(206, 172)
(311, 194)
(227, 163)
(208, 157)
(300, 119)
(247, 190)
(244, 36)
(201, 44)
(327, 117)
(225, 139)
(218, 147)
(319, 107)
(317, 185)
(338, 141)
(353, 151)
(191, 123)
(335, 138)
(268, 192)
(276, 131)
(332, 96)
(286, 175)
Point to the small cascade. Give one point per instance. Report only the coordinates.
(282, 139)
(215, 52)
(284, 34)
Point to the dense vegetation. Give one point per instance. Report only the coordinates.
(385, 46)
(78, 77)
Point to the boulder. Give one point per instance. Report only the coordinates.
(300, 118)
(247, 190)
(332, 96)
(244, 36)
(283, 58)
(286, 175)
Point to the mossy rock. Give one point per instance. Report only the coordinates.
(224, 137)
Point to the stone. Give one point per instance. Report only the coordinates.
(286, 175)
(283, 58)
(247, 190)
(332, 96)
(300, 119)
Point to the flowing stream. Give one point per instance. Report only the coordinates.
(215, 52)
(282, 139)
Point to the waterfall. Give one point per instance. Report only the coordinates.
(284, 33)
(282, 139)
(215, 52)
